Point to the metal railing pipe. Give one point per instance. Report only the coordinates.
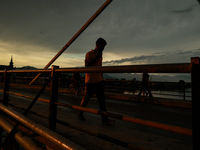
(153, 124)
(53, 99)
(60, 141)
(170, 128)
(25, 141)
(195, 101)
(150, 68)
(121, 117)
(28, 71)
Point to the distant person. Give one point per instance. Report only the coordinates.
(133, 85)
(94, 81)
(145, 85)
(76, 80)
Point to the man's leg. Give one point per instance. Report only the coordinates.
(141, 89)
(89, 90)
(149, 91)
(101, 99)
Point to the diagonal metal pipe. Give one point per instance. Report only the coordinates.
(25, 141)
(53, 137)
(96, 14)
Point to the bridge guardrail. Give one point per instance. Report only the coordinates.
(192, 68)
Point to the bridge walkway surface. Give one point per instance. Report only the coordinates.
(92, 134)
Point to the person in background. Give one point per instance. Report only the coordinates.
(145, 85)
(94, 82)
(76, 80)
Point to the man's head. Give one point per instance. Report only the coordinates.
(100, 44)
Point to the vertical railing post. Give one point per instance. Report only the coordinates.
(184, 91)
(1, 135)
(53, 99)
(6, 87)
(195, 75)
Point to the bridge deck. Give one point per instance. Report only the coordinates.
(92, 131)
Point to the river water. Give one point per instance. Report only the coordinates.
(169, 94)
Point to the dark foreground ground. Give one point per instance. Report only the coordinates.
(93, 133)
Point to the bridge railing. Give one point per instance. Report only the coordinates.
(192, 68)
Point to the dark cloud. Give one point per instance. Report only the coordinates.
(24, 21)
(130, 27)
(132, 59)
(186, 10)
(166, 57)
(182, 11)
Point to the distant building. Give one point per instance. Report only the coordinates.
(9, 67)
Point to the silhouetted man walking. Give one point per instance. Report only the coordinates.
(94, 81)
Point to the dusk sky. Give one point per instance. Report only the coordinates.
(137, 31)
